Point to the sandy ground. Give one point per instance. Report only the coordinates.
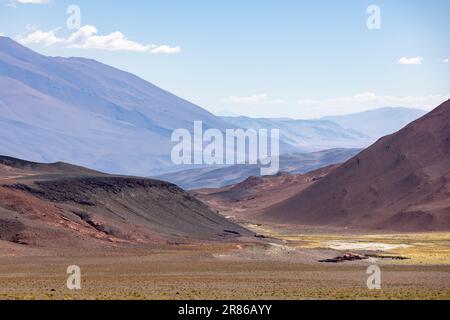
(239, 271)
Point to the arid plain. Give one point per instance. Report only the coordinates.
(287, 268)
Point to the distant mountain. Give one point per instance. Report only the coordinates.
(226, 113)
(219, 176)
(306, 135)
(248, 198)
(84, 112)
(402, 182)
(379, 122)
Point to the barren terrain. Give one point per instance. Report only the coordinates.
(129, 245)
(221, 272)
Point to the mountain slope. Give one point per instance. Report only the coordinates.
(379, 122)
(217, 177)
(306, 135)
(60, 206)
(82, 111)
(402, 182)
(249, 198)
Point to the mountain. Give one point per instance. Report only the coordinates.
(402, 182)
(306, 135)
(61, 206)
(217, 177)
(379, 122)
(87, 113)
(247, 199)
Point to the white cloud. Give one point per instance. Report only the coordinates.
(86, 38)
(254, 99)
(2, 34)
(31, 27)
(13, 3)
(31, 1)
(367, 101)
(445, 60)
(410, 61)
(47, 38)
(165, 49)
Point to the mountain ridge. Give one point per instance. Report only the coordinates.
(77, 105)
(306, 135)
(63, 207)
(402, 182)
(221, 176)
(378, 122)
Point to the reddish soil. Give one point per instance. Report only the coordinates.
(402, 182)
(60, 206)
(246, 200)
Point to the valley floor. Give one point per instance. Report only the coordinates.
(283, 268)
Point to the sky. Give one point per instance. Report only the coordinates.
(259, 58)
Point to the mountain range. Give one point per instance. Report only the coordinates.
(244, 201)
(79, 111)
(220, 176)
(306, 135)
(402, 182)
(87, 113)
(379, 122)
(356, 130)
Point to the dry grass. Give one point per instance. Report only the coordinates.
(246, 271)
(194, 276)
(432, 248)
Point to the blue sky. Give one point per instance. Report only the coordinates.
(267, 58)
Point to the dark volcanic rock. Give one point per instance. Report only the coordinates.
(346, 257)
(49, 203)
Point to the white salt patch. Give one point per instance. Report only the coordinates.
(372, 246)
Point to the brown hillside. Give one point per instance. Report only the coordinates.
(64, 206)
(402, 182)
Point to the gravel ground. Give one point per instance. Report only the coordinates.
(216, 274)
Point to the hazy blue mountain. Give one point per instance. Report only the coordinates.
(84, 112)
(220, 176)
(379, 122)
(87, 113)
(306, 135)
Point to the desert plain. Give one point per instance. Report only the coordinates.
(283, 265)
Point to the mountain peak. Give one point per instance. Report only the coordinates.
(399, 183)
(16, 50)
(7, 42)
(91, 114)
